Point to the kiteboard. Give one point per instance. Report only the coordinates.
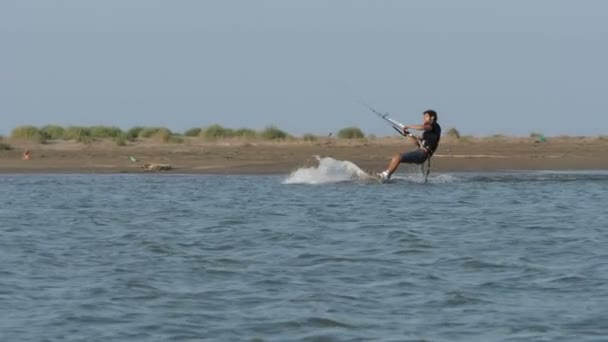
(376, 177)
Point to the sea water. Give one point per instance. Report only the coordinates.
(323, 254)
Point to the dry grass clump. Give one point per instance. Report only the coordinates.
(273, 133)
(310, 137)
(160, 134)
(193, 132)
(453, 133)
(28, 133)
(246, 133)
(53, 132)
(351, 133)
(78, 133)
(121, 140)
(215, 132)
(134, 133)
(154, 132)
(4, 146)
(105, 131)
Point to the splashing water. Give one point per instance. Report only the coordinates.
(329, 170)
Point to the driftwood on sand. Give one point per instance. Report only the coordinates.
(157, 167)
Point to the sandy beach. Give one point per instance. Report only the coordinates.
(263, 157)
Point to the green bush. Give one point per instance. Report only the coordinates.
(246, 133)
(536, 135)
(453, 132)
(193, 132)
(5, 147)
(121, 140)
(53, 132)
(162, 134)
(105, 132)
(30, 133)
(351, 133)
(217, 132)
(156, 133)
(78, 133)
(309, 137)
(273, 133)
(134, 132)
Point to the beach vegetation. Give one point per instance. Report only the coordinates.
(193, 132)
(155, 133)
(134, 132)
(217, 132)
(536, 135)
(453, 133)
(4, 146)
(273, 133)
(160, 134)
(78, 133)
(246, 133)
(105, 131)
(53, 132)
(29, 133)
(121, 140)
(309, 137)
(351, 133)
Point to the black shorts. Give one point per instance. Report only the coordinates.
(415, 157)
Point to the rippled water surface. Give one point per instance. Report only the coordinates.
(467, 257)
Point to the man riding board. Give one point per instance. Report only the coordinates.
(427, 144)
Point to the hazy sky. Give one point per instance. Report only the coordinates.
(510, 66)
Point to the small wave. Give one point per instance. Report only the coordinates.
(565, 279)
(540, 176)
(474, 264)
(417, 177)
(329, 170)
(453, 299)
(322, 322)
(314, 322)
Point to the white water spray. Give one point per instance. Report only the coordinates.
(329, 170)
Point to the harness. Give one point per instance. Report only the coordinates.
(429, 151)
(426, 149)
(426, 172)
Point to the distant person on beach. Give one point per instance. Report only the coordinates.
(427, 144)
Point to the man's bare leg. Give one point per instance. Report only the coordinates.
(392, 167)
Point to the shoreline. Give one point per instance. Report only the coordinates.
(242, 157)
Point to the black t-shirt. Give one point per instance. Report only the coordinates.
(430, 139)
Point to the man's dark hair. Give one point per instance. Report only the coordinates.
(432, 114)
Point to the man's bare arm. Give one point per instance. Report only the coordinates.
(427, 127)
